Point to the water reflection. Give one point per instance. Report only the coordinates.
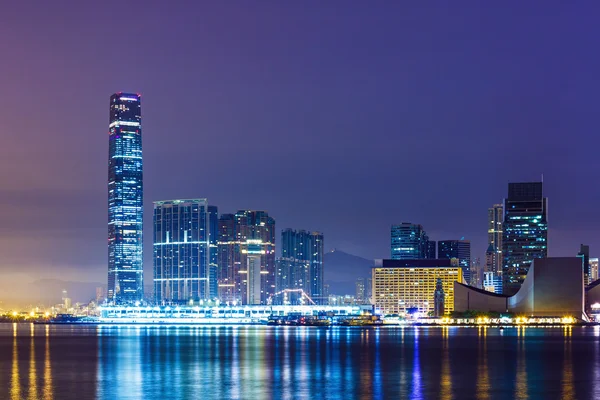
(568, 390)
(48, 390)
(32, 392)
(416, 375)
(15, 384)
(445, 376)
(521, 377)
(43, 362)
(483, 379)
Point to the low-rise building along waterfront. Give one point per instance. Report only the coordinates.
(405, 286)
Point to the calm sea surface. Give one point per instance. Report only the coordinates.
(149, 362)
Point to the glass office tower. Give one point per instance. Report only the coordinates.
(525, 232)
(410, 242)
(125, 200)
(185, 240)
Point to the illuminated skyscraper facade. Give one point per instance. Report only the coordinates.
(495, 218)
(301, 265)
(125, 200)
(525, 232)
(185, 240)
(410, 242)
(246, 257)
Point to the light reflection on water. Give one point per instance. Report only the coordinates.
(109, 362)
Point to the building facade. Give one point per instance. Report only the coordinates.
(184, 251)
(492, 282)
(553, 288)
(525, 232)
(246, 257)
(125, 200)
(495, 231)
(361, 294)
(584, 254)
(301, 265)
(410, 242)
(593, 269)
(459, 250)
(431, 250)
(400, 286)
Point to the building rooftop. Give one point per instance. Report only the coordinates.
(420, 263)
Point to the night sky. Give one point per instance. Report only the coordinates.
(344, 117)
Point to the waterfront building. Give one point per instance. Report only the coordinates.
(224, 314)
(125, 200)
(495, 218)
(525, 232)
(184, 251)
(553, 287)
(409, 242)
(246, 257)
(401, 286)
(584, 254)
(459, 250)
(301, 265)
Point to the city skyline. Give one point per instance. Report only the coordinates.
(345, 130)
(338, 200)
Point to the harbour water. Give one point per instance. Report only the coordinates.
(264, 362)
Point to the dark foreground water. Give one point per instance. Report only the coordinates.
(121, 362)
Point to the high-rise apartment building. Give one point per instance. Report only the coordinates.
(185, 250)
(525, 232)
(495, 218)
(410, 242)
(125, 200)
(246, 257)
(459, 250)
(301, 264)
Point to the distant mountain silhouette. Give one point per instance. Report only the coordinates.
(343, 269)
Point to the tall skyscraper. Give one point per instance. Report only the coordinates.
(125, 200)
(525, 232)
(185, 239)
(301, 264)
(246, 257)
(459, 250)
(409, 242)
(495, 218)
